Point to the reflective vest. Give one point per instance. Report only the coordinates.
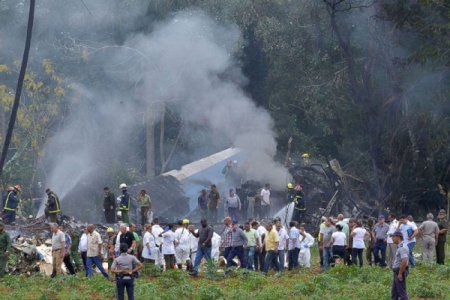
(125, 201)
(54, 208)
(11, 202)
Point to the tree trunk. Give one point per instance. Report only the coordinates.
(150, 145)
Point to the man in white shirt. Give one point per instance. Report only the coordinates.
(391, 246)
(266, 202)
(193, 242)
(306, 242)
(294, 240)
(182, 249)
(157, 230)
(82, 248)
(94, 251)
(259, 258)
(282, 245)
(58, 249)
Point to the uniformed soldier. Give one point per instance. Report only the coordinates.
(125, 203)
(5, 246)
(400, 268)
(442, 238)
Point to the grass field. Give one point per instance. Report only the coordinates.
(338, 283)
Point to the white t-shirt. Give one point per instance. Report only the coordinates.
(168, 246)
(358, 238)
(261, 231)
(339, 238)
(283, 236)
(150, 240)
(265, 197)
(182, 237)
(392, 228)
(294, 233)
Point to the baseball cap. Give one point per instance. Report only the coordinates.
(231, 190)
(235, 222)
(398, 233)
(381, 217)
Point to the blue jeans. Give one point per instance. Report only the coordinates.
(293, 258)
(206, 252)
(121, 285)
(271, 258)
(98, 263)
(327, 255)
(236, 251)
(380, 246)
(281, 259)
(412, 263)
(250, 254)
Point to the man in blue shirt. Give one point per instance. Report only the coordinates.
(68, 247)
(409, 231)
(203, 204)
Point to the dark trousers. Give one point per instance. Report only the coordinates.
(144, 211)
(233, 213)
(440, 253)
(8, 216)
(257, 212)
(121, 285)
(271, 258)
(321, 257)
(348, 256)
(293, 258)
(260, 259)
(298, 215)
(110, 216)
(84, 258)
(212, 212)
(265, 211)
(68, 264)
(380, 246)
(339, 252)
(357, 254)
(239, 252)
(169, 259)
(226, 252)
(398, 290)
(369, 253)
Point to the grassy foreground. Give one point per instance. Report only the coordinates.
(338, 283)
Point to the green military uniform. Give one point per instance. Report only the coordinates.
(74, 251)
(146, 203)
(442, 239)
(5, 245)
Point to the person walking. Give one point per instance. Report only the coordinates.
(67, 248)
(122, 267)
(109, 206)
(238, 244)
(442, 239)
(58, 249)
(226, 238)
(359, 234)
(430, 237)
(213, 203)
(146, 206)
(325, 238)
(202, 202)
(125, 203)
(10, 204)
(380, 236)
(266, 201)
(271, 243)
(94, 251)
(392, 247)
(400, 268)
(233, 205)
(5, 246)
(252, 244)
(204, 235)
(53, 205)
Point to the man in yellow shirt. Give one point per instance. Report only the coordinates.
(271, 242)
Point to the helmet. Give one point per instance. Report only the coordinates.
(10, 188)
(290, 186)
(305, 155)
(110, 229)
(17, 187)
(185, 221)
(123, 185)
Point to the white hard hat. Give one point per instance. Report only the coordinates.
(123, 185)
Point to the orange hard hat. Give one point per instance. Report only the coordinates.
(17, 187)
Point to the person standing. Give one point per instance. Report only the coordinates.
(306, 242)
(233, 205)
(227, 238)
(256, 201)
(94, 251)
(400, 268)
(337, 242)
(293, 246)
(5, 246)
(349, 247)
(53, 205)
(58, 249)
(168, 247)
(430, 237)
(67, 248)
(410, 232)
(203, 204)
(359, 234)
(146, 206)
(11, 202)
(260, 255)
(283, 238)
(109, 206)
(182, 244)
(392, 247)
(252, 244)
(380, 235)
(204, 235)
(109, 247)
(150, 249)
(320, 239)
(266, 201)
(213, 203)
(325, 238)
(442, 239)
(122, 266)
(157, 230)
(82, 248)
(136, 249)
(299, 204)
(74, 249)
(238, 243)
(125, 204)
(371, 241)
(271, 243)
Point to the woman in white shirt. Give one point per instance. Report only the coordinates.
(149, 252)
(168, 246)
(338, 242)
(359, 234)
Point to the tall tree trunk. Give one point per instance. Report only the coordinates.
(150, 145)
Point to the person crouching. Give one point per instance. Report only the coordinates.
(123, 268)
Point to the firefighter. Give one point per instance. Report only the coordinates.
(11, 202)
(53, 206)
(299, 204)
(306, 158)
(125, 202)
(290, 194)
